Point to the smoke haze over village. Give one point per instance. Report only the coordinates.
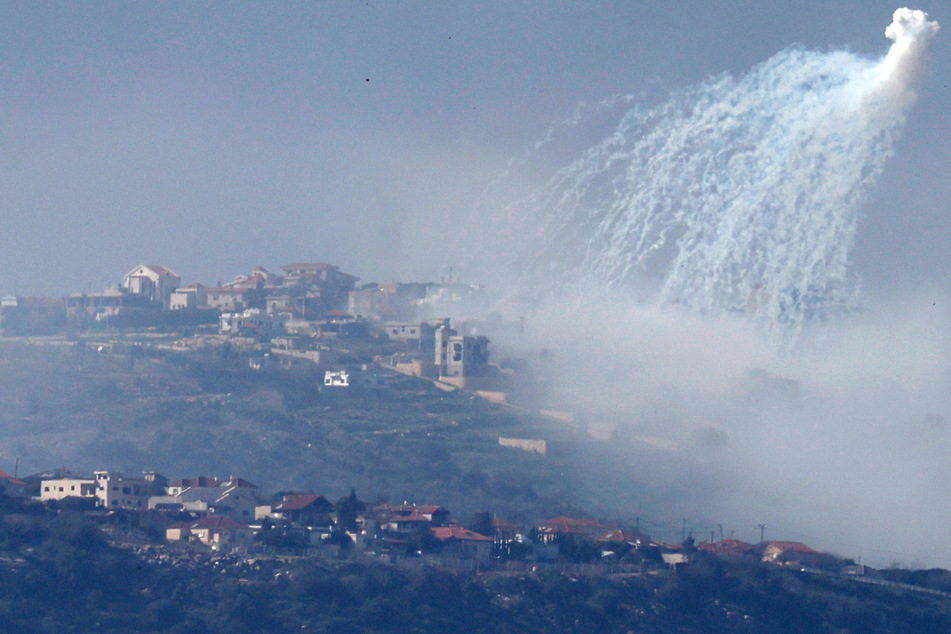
(400, 142)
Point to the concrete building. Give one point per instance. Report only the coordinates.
(233, 498)
(253, 322)
(459, 356)
(154, 282)
(112, 302)
(61, 488)
(117, 492)
(385, 302)
(110, 489)
(191, 297)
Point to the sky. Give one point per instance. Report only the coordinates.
(215, 137)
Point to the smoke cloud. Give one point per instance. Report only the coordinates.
(690, 276)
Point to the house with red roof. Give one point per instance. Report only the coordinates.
(408, 518)
(301, 509)
(152, 281)
(463, 543)
(789, 553)
(615, 538)
(214, 531)
(553, 528)
(311, 289)
(504, 530)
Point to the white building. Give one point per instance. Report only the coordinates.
(252, 322)
(155, 282)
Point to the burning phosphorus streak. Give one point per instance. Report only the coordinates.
(737, 195)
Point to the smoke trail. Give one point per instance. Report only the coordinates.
(738, 195)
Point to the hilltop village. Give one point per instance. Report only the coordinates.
(314, 314)
(311, 312)
(305, 380)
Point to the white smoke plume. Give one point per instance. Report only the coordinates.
(910, 31)
(658, 258)
(739, 195)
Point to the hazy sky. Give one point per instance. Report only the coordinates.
(214, 137)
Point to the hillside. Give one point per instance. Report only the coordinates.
(102, 588)
(73, 407)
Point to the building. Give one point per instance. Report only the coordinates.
(234, 498)
(408, 518)
(213, 531)
(556, 527)
(416, 335)
(311, 289)
(109, 488)
(191, 297)
(789, 553)
(336, 378)
(384, 302)
(253, 322)
(154, 282)
(727, 548)
(61, 488)
(463, 543)
(110, 303)
(114, 491)
(302, 509)
(460, 356)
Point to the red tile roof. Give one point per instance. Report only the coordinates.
(235, 482)
(10, 480)
(161, 270)
(299, 502)
(569, 525)
(445, 533)
(625, 537)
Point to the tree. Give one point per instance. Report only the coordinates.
(481, 523)
(348, 509)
